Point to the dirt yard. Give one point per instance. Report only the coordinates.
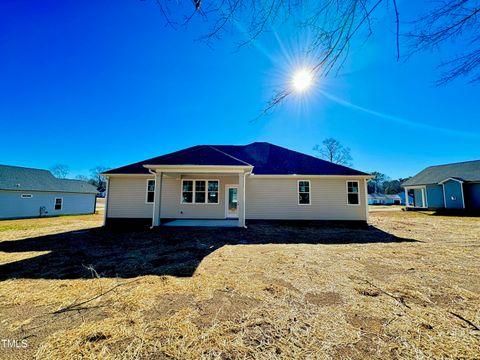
(406, 287)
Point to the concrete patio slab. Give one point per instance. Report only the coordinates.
(205, 223)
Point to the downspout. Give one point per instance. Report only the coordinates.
(366, 200)
(245, 197)
(106, 201)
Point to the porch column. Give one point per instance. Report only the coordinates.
(241, 199)
(406, 198)
(157, 199)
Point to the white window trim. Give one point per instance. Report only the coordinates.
(27, 196)
(309, 193)
(445, 196)
(193, 192)
(55, 203)
(146, 191)
(230, 186)
(358, 192)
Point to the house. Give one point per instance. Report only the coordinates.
(26, 192)
(248, 182)
(384, 199)
(402, 198)
(393, 199)
(376, 199)
(450, 186)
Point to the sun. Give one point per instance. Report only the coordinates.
(302, 80)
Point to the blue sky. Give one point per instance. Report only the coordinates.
(105, 83)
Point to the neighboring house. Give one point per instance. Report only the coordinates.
(393, 199)
(26, 192)
(384, 199)
(450, 186)
(255, 181)
(376, 199)
(402, 197)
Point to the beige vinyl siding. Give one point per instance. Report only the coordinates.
(127, 195)
(276, 198)
(272, 198)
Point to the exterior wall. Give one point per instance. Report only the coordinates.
(13, 206)
(472, 196)
(127, 198)
(265, 199)
(171, 207)
(453, 188)
(278, 199)
(435, 196)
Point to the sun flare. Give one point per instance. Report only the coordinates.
(302, 80)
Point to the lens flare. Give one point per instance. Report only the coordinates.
(302, 80)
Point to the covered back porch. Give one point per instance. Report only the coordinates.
(416, 197)
(199, 195)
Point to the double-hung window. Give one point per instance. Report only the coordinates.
(353, 196)
(187, 191)
(213, 192)
(304, 192)
(200, 192)
(150, 191)
(58, 203)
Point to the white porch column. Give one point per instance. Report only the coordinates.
(406, 198)
(105, 211)
(157, 200)
(241, 199)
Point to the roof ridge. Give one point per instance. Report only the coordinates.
(178, 152)
(450, 164)
(231, 156)
(174, 153)
(311, 156)
(24, 167)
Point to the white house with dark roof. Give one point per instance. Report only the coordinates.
(26, 192)
(450, 186)
(258, 181)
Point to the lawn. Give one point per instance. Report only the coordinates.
(406, 287)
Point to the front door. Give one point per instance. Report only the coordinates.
(231, 201)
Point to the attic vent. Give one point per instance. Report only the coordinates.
(17, 185)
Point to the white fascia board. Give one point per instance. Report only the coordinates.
(297, 176)
(199, 168)
(453, 179)
(129, 175)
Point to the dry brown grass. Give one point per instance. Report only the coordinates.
(28, 228)
(268, 301)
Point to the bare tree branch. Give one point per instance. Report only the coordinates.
(335, 23)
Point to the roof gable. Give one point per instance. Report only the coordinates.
(28, 179)
(463, 171)
(266, 159)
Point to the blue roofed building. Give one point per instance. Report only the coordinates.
(27, 192)
(450, 186)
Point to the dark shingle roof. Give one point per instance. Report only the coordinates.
(27, 179)
(465, 171)
(266, 159)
